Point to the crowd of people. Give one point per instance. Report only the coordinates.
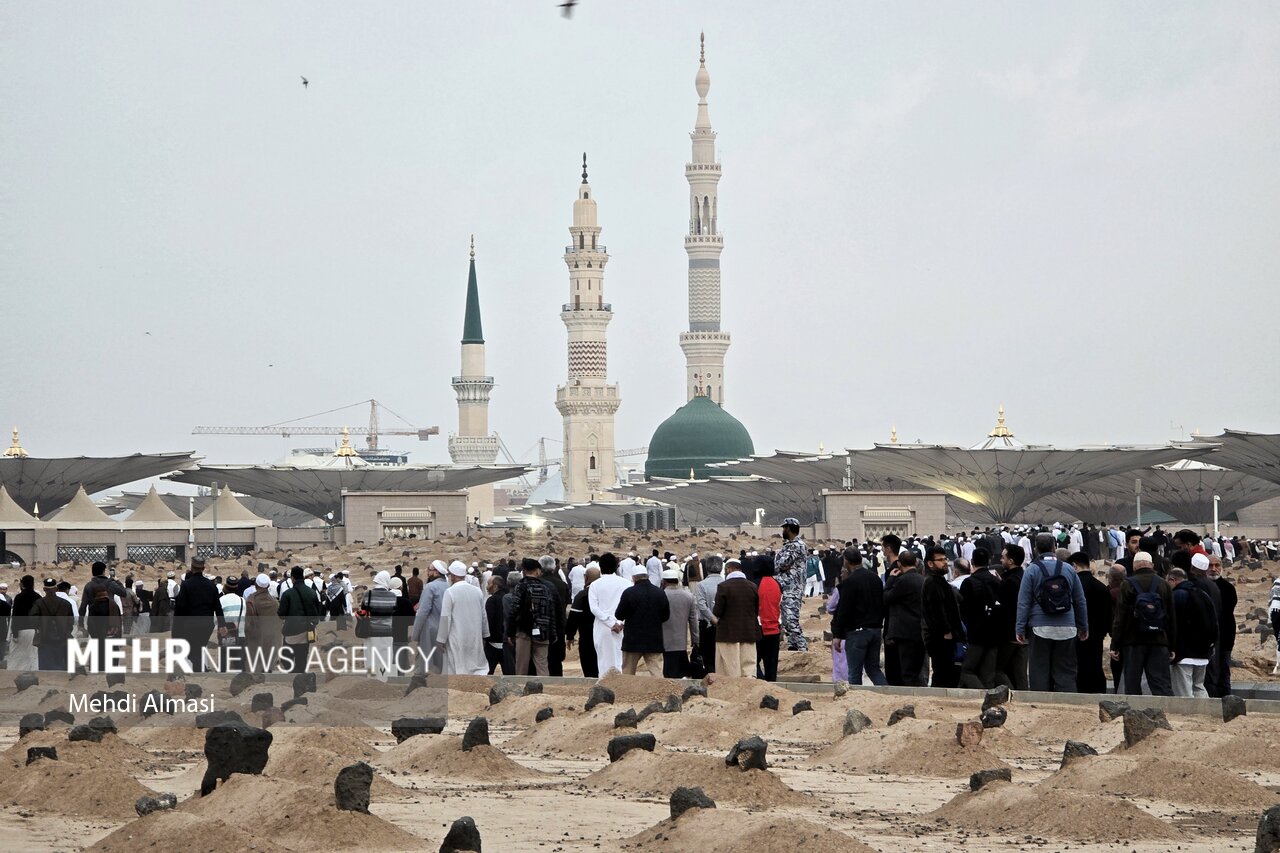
(1020, 607)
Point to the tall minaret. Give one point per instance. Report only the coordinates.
(704, 344)
(472, 444)
(587, 402)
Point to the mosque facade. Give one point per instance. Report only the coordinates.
(473, 444)
(587, 401)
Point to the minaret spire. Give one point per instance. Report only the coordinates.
(705, 344)
(473, 444)
(587, 402)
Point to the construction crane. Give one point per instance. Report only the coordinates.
(545, 464)
(291, 428)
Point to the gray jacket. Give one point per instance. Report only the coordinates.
(426, 623)
(681, 627)
(705, 595)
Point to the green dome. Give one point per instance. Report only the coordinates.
(699, 433)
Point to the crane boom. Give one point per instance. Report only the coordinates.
(289, 428)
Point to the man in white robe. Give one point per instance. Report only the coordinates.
(426, 622)
(463, 626)
(602, 598)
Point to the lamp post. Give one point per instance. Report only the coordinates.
(1137, 494)
(1216, 498)
(215, 519)
(191, 530)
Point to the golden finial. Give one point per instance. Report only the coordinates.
(691, 477)
(821, 448)
(346, 449)
(14, 450)
(893, 434)
(473, 247)
(702, 50)
(1001, 431)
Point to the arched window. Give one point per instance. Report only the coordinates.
(593, 462)
(581, 241)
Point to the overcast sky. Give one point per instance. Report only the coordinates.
(928, 210)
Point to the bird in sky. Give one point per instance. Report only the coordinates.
(305, 82)
(567, 6)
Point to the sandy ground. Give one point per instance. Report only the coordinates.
(550, 787)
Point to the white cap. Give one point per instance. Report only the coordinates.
(1143, 557)
(1200, 562)
(4, 586)
(263, 581)
(306, 573)
(439, 566)
(733, 561)
(396, 583)
(671, 575)
(169, 575)
(458, 568)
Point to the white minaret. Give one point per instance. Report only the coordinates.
(472, 444)
(704, 344)
(587, 402)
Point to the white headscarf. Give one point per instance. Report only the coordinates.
(382, 580)
(439, 566)
(262, 581)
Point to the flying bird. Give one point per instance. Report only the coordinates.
(305, 82)
(567, 6)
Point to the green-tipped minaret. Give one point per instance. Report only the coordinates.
(472, 333)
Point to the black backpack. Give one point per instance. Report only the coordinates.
(1148, 608)
(1054, 592)
(98, 616)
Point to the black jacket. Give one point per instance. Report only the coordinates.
(643, 608)
(1197, 621)
(196, 601)
(979, 608)
(861, 603)
(22, 604)
(1097, 600)
(903, 606)
(1227, 613)
(493, 611)
(299, 608)
(939, 608)
(1007, 604)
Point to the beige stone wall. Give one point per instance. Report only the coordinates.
(361, 512)
(850, 514)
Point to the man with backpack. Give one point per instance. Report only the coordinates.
(535, 624)
(1145, 629)
(1051, 604)
(1198, 623)
(98, 580)
(979, 600)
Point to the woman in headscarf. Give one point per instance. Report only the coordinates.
(580, 624)
(379, 605)
(493, 643)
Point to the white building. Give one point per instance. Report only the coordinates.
(705, 344)
(587, 402)
(472, 444)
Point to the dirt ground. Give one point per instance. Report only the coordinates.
(549, 786)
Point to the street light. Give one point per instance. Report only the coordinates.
(1216, 498)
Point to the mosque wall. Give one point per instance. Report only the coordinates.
(872, 514)
(425, 514)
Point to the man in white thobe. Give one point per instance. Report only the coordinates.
(602, 598)
(463, 626)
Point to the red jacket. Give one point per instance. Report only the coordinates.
(770, 606)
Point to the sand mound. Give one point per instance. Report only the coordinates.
(696, 731)
(442, 756)
(910, 748)
(587, 735)
(361, 688)
(353, 741)
(725, 831)
(72, 789)
(639, 690)
(1005, 808)
(1225, 749)
(521, 710)
(660, 772)
(166, 738)
(286, 814)
(111, 752)
(750, 691)
(1160, 778)
(159, 830)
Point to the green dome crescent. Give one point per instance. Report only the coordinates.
(699, 433)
